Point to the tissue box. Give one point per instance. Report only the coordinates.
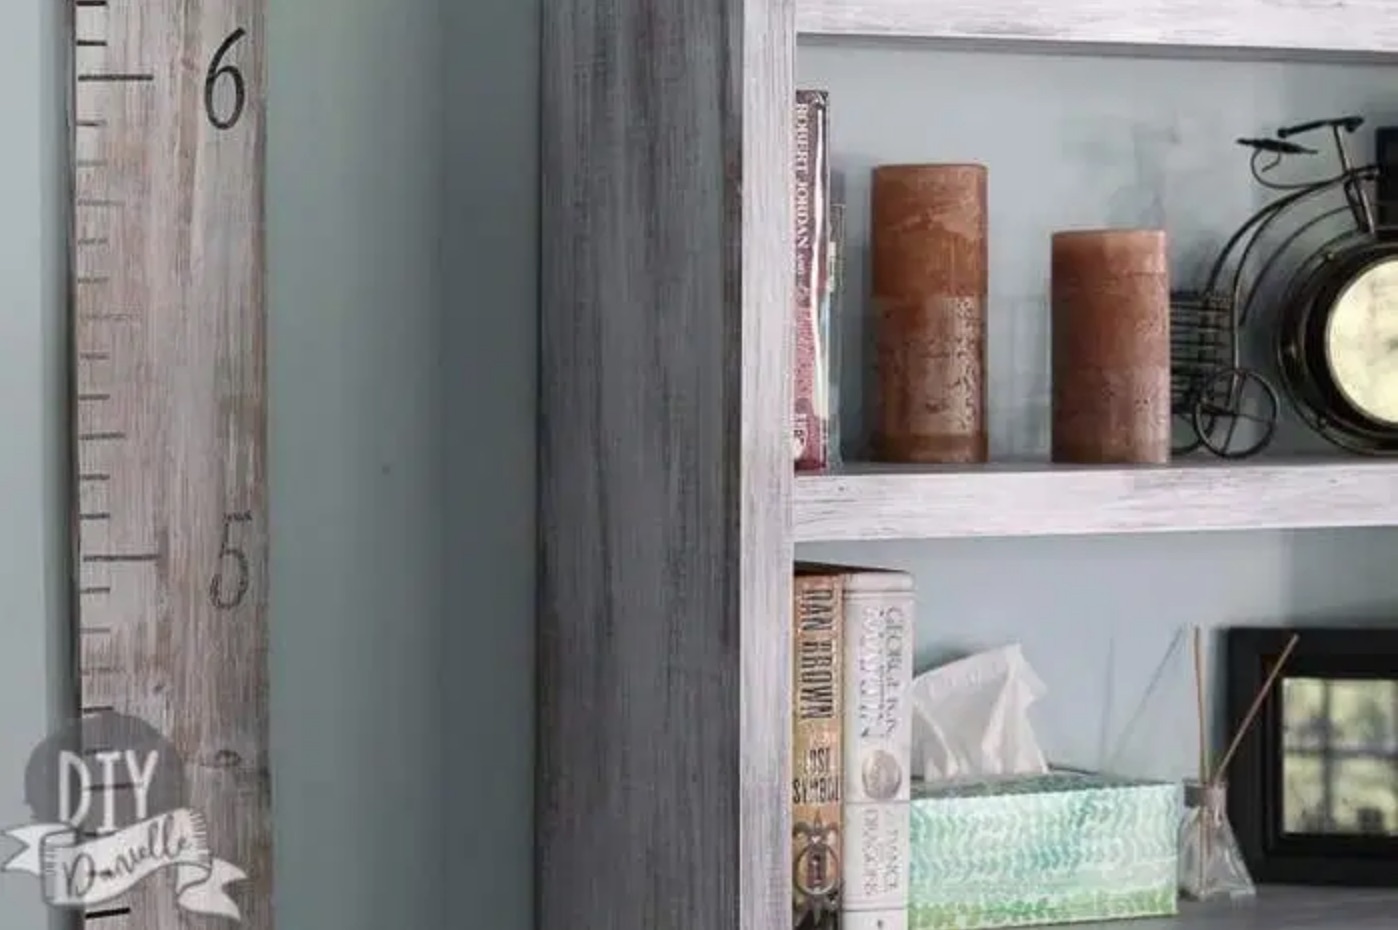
(1041, 849)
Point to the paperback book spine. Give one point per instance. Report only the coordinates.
(813, 260)
(830, 344)
(816, 766)
(878, 656)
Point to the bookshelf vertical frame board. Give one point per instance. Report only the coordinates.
(168, 308)
(665, 472)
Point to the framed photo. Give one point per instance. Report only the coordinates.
(1313, 789)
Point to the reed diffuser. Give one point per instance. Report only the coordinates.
(1210, 863)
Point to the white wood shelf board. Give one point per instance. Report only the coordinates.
(1326, 26)
(870, 502)
(1280, 908)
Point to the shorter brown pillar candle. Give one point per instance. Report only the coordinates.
(928, 245)
(1111, 347)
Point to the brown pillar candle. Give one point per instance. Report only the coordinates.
(1111, 347)
(929, 257)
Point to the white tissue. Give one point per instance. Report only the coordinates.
(970, 718)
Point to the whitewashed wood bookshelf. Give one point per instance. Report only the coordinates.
(1269, 26)
(869, 502)
(668, 508)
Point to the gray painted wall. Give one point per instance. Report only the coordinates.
(1078, 141)
(489, 339)
(402, 242)
(34, 652)
(356, 598)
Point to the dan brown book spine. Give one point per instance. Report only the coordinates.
(817, 766)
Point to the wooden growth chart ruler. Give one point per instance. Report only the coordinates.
(169, 331)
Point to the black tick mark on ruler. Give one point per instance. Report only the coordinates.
(103, 915)
(122, 557)
(102, 77)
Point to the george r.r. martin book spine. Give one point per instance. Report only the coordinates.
(816, 764)
(812, 400)
(878, 674)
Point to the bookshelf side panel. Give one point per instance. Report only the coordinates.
(665, 465)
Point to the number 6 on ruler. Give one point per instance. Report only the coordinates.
(219, 70)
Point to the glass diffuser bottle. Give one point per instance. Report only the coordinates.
(1210, 863)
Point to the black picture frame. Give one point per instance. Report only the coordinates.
(1273, 854)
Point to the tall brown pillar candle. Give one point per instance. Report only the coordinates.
(1111, 347)
(929, 257)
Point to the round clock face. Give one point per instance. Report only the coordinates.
(1361, 342)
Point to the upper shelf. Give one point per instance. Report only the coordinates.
(1351, 26)
(893, 502)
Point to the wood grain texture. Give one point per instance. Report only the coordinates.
(1301, 25)
(169, 325)
(1064, 500)
(764, 364)
(665, 465)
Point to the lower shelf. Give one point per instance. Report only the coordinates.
(1281, 908)
(896, 502)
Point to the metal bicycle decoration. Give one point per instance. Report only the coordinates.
(1326, 289)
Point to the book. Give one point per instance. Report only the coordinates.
(828, 360)
(816, 764)
(812, 402)
(878, 635)
(876, 668)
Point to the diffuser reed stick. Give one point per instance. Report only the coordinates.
(1254, 710)
(1199, 701)
(1201, 707)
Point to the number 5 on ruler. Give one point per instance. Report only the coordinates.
(228, 554)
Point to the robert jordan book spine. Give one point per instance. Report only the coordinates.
(813, 241)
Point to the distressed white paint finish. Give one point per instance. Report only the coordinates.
(762, 225)
(169, 335)
(1030, 500)
(1309, 25)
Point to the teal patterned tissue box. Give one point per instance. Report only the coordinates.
(1041, 849)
